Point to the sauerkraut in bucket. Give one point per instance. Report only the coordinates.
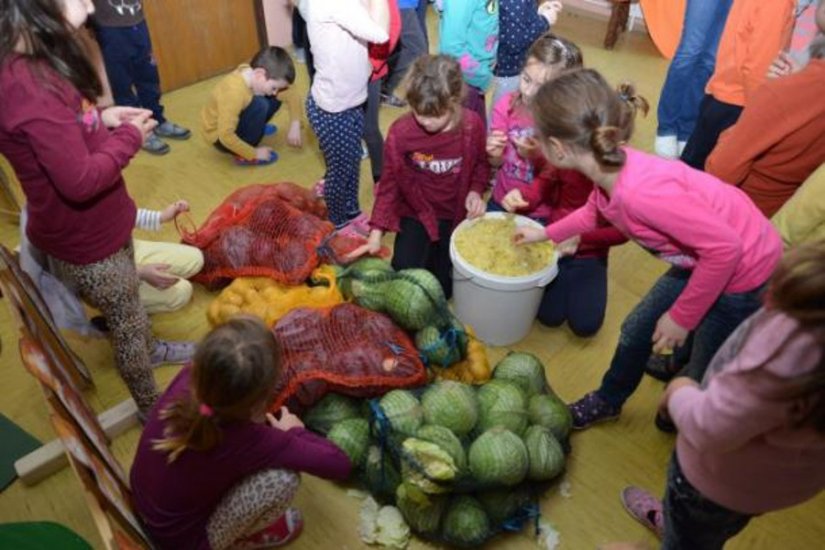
(487, 244)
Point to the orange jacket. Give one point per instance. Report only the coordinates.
(755, 32)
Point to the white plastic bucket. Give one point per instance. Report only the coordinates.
(500, 309)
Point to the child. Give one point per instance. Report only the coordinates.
(124, 40)
(236, 115)
(434, 174)
(339, 32)
(778, 141)
(212, 468)
(520, 24)
(469, 33)
(688, 74)
(752, 436)
(510, 145)
(69, 157)
(721, 247)
(754, 34)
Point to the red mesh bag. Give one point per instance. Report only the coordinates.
(346, 349)
(262, 231)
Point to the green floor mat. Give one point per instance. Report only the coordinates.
(40, 535)
(16, 444)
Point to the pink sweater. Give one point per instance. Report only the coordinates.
(689, 219)
(737, 443)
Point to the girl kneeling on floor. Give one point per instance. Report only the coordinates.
(213, 469)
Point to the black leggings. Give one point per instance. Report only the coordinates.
(578, 295)
(413, 248)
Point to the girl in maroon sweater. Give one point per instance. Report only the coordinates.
(68, 155)
(213, 469)
(435, 170)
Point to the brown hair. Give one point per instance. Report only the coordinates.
(276, 62)
(50, 41)
(579, 108)
(434, 85)
(798, 291)
(233, 376)
(549, 49)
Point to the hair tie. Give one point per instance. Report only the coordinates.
(205, 410)
(624, 97)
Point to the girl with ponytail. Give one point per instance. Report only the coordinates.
(213, 469)
(721, 248)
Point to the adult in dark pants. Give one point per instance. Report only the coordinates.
(132, 70)
(411, 45)
(300, 39)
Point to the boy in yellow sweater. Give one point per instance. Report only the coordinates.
(236, 116)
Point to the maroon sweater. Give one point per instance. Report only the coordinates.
(427, 176)
(175, 501)
(68, 164)
(565, 191)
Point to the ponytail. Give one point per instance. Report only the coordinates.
(187, 427)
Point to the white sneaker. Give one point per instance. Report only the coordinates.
(666, 147)
(680, 146)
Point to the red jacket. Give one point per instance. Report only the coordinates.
(402, 191)
(380, 53)
(68, 164)
(565, 191)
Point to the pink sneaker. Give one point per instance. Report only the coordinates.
(281, 532)
(358, 226)
(645, 508)
(318, 188)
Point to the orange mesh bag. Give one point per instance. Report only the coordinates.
(257, 232)
(346, 349)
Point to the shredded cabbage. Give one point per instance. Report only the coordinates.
(488, 245)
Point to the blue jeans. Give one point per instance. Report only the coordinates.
(692, 521)
(578, 295)
(131, 67)
(691, 67)
(635, 345)
(253, 119)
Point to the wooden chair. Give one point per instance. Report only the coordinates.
(104, 482)
(35, 323)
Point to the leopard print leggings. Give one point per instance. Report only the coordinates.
(251, 505)
(111, 285)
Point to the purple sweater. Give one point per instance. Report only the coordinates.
(175, 501)
(689, 219)
(737, 443)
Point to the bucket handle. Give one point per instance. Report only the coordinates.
(459, 276)
(544, 281)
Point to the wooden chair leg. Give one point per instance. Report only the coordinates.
(619, 14)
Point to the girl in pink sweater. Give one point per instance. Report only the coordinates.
(752, 435)
(721, 248)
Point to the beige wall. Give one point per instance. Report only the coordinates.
(278, 15)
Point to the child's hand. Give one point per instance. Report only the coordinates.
(372, 247)
(496, 142)
(263, 153)
(474, 205)
(513, 201)
(668, 334)
(294, 137)
(286, 422)
(114, 116)
(783, 65)
(550, 11)
(143, 122)
(156, 275)
(170, 212)
(675, 384)
(526, 147)
(569, 247)
(528, 234)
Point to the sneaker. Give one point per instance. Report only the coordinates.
(359, 226)
(318, 188)
(155, 145)
(392, 101)
(662, 366)
(299, 55)
(365, 153)
(270, 129)
(273, 158)
(645, 508)
(167, 352)
(666, 147)
(592, 409)
(680, 147)
(170, 130)
(281, 532)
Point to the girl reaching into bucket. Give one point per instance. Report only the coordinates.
(435, 171)
(721, 248)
